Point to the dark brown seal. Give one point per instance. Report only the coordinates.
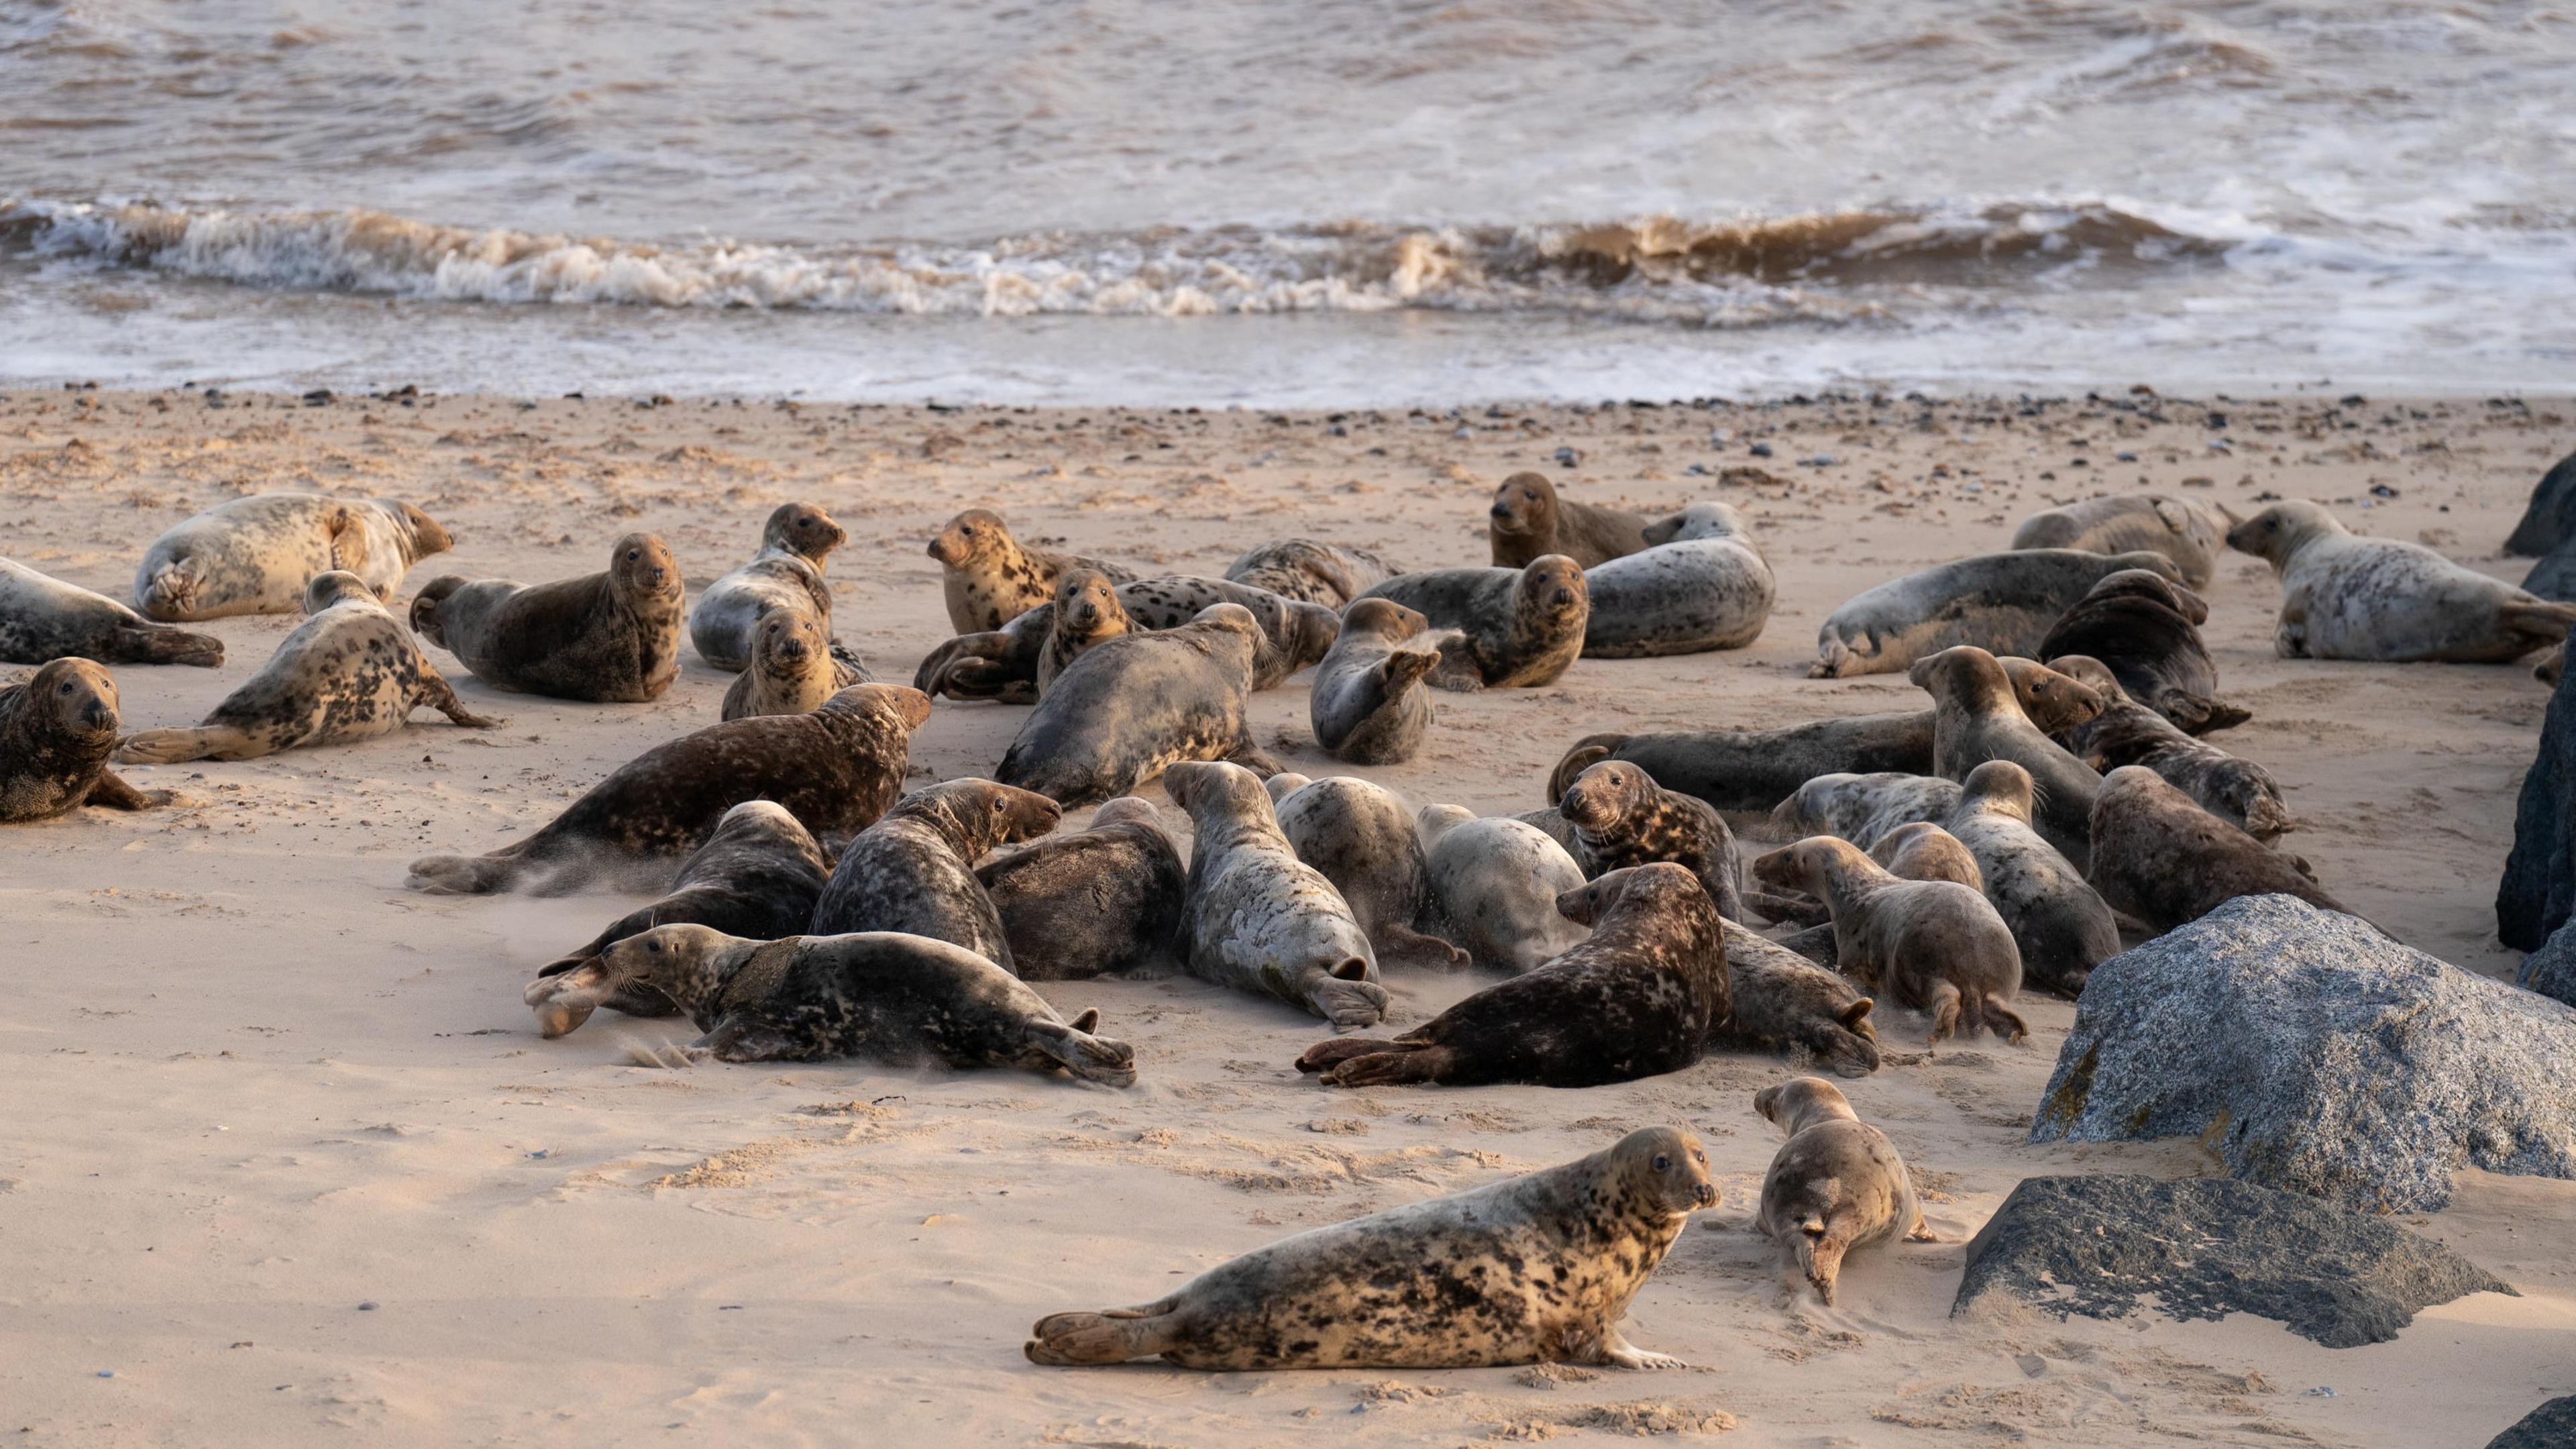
(57, 728)
(2145, 630)
(914, 869)
(1091, 902)
(1639, 998)
(1530, 520)
(793, 668)
(992, 580)
(1978, 717)
(1937, 945)
(1836, 1186)
(1519, 629)
(836, 769)
(1310, 570)
(1535, 1270)
(2160, 858)
(1364, 841)
(1002, 664)
(1138, 704)
(1087, 613)
(2238, 791)
(1367, 703)
(44, 619)
(1783, 1002)
(1620, 817)
(612, 638)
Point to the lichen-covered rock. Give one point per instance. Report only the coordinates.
(2551, 1426)
(2538, 891)
(2207, 1247)
(2316, 1055)
(2551, 970)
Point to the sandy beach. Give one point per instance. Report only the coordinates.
(286, 1162)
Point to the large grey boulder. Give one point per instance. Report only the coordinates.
(2551, 1426)
(2551, 970)
(2316, 1055)
(2207, 1247)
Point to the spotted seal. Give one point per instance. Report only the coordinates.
(1003, 663)
(2344, 597)
(350, 671)
(1783, 1002)
(1977, 717)
(2145, 631)
(610, 637)
(1518, 628)
(2000, 602)
(1310, 570)
(255, 555)
(44, 619)
(1937, 945)
(2160, 858)
(1119, 715)
(1835, 1187)
(1864, 808)
(1086, 613)
(1363, 840)
(786, 573)
(1529, 520)
(793, 668)
(913, 870)
(2238, 791)
(1257, 918)
(835, 769)
(1538, 1269)
(1700, 584)
(57, 728)
(2060, 923)
(1368, 704)
(1620, 817)
(1091, 902)
(1494, 887)
(990, 579)
(2131, 523)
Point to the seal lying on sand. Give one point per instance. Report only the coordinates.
(991, 580)
(2129, 523)
(787, 573)
(881, 995)
(2240, 792)
(836, 769)
(2160, 858)
(1090, 902)
(1260, 920)
(1494, 887)
(1529, 521)
(1519, 629)
(1003, 663)
(2000, 602)
(792, 668)
(1782, 1001)
(1535, 1270)
(350, 671)
(1122, 713)
(1936, 944)
(1363, 840)
(1368, 704)
(57, 728)
(2375, 598)
(255, 555)
(2144, 630)
(914, 869)
(1702, 584)
(1836, 1186)
(2059, 922)
(610, 637)
(44, 619)
(1310, 571)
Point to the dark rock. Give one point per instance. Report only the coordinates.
(2551, 970)
(2554, 577)
(2539, 887)
(2545, 523)
(2314, 1054)
(2551, 1426)
(2206, 1247)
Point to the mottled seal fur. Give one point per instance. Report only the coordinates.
(2160, 858)
(1086, 613)
(1835, 1187)
(914, 869)
(1363, 840)
(350, 671)
(1368, 704)
(1701, 584)
(2061, 924)
(1260, 920)
(1921, 850)
(57, 728)
(1638, 998)
(887, 997)
(255, 555)
(1094, 901)
(792, 668)
(2375, 598)
(2145, 631)
(2129, 523)
(991, 579)
(1310, 570)
(1519, 628)
(1494, 887)
(611, 637)
(835, 769)
(1121, 714)
(1864, 809)
(44, 619)
(1529, 520)
(786, 573)
(1978, 717)
(1003, 663)
(1621, 817)
(1784, 1002)
(1937, 945)
(2240, 792)
(2000, 602)
(1538, 1269)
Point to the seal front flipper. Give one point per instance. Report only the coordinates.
(1618, 1352)
(2198, 714)
(115, 794)
(171, 747)
(742, 1038)
(1347, 998)
(1091, 1058)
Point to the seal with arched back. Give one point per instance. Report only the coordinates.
(2145, 631)
(610, 637)
(57, 728)
(1368, 704)
(1257, 918)
(1128, 709)
(44, 619)
(255, 555)
(1935, 944)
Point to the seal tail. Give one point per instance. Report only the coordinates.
(1579, 757)
(171, 747)
(1092, 1058)
(168, 646)
(2198, 714)
(1065, 1340)
(465, 875)
(1820, 1257)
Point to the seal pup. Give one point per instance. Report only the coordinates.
(43, 619)
(1529, 520)
(1620, 817)
(2000, 602)
(1517, 629)
(1091, 902)
(756, 877)
(1087, 613)
(1700, 584)
(611, 638)
(2061, 924)
(786, 573)
(1836, 1186)
(1368, 704)
(2145, 631)
(1638, 998)
(991, 579)
(2238, 791)
(835, 769)
(914, 869)
(255, 555)
(1976, 718)
(2130, 523)
(1257, 918)
(1310, 570)
(1494, 887)
(880, 995)
(1936, 944)
(349, 672)
(1539, 1269)
(1783, 1002)
(1122, 713)
(57, 728)
(2161, 859)
(792, 668)
(1003, 663)
(1363, 840)
(2376, 598)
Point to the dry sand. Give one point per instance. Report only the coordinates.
(283, 1155)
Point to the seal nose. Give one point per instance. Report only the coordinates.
(1707, 1194)
(98, 716)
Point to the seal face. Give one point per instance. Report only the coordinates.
(1494, 886)
(1091, 902)
(349, 672)
(1530, 520)
(1363, 840)
(1310, 570)
(992, 580)
(914, 869)
(786, 573)
(1621, 817)
(2162, 859)
(1937, 945)
(1836, 1186)
(1257, 918)
(610, 637)
(44, 619)
(1977, 717)
(1368, 704)
(2003, 603)
(2371, 598)
(57, 728)
(1538, 1269)
(903, 1000)
(256, 555)
(1781, 1000)
(1003, 663)
(1519, 629)
(1087, 614)
(1702, 584)
(835, 769)
(2131, 523)
(1638, 998)
(1122, 713)
(2240, 792)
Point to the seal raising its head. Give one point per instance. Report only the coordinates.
(2374, 598)
(1368, 704)
(57, 728)
(992, 580)
(787, 573)
(611, 637)
(1530, 520)
(1520, 628)
(1621, 817)
(914, 869)
(1087, 614)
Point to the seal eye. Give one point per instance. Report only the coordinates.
(1663, 1162)
(653, 946)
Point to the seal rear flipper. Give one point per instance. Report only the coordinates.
(1324, 1054)
(2005, 1022)
(1064, 1340)
(1820, 1259)
(2198, 714)
(439, 695)
(1347, 999)
(1582, 755)
(1789, 910)
(137, 645)
(171, 747)
(1403, 943)
(1092, 1058)
(1394, 1064)
(465, 875)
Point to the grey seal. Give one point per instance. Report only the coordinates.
(44, 619)
(1364, 841)
(255, 555)
(57, 728)
(1091, 902)
(1784, 1002)
(2374, 598)
(611, 637)
(786, 573)
(1368, 703)
(2145, 631)
(1700, 584)
(1519, 628)
(1260, 920)
(1835, 1187)
(2160, 858)
(1529, 520)
(793, 668)
(1978, 717)
(2242, 793)
(1310, 570)
(1494, 887)
(1002, 664)
(2129, 523)
(2003, 603)
(1936, 944)
(1122, 713)
(913, 869)
(1085, 613)
(991, 579)
(1620, 817)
